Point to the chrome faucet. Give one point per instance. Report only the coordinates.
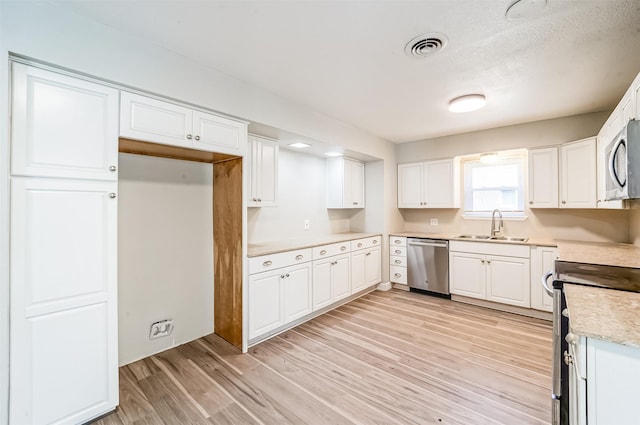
(495, 230)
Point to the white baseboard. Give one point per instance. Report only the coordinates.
(384, 286)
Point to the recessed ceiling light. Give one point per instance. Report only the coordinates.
(333, 154)
(299, 145)
(467, 103)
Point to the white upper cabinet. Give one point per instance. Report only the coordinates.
(432, 184)
(345, 183)
(62, 126)
(578, 174)
(543, 178)
(263, 156)
(152, 120)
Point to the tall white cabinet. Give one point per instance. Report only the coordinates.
(263, 158)
(345, 183)
(63, 269)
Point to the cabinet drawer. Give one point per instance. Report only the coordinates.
(397, 241)
(395, 260)
(282, 259)
(365, 243)
(491, 248)
(398, 251)
(398, 274)
(324, 251)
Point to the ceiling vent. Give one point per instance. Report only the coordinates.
(426, 45)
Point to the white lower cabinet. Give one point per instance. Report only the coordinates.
(398, 259)
(542, 259)
(365, 269)
(277, 297)
(331, 280)
(490, 271)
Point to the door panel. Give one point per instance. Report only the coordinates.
(340, 278)
(467, 275)
(218, 134)
(265, 305)
(508, 281)
(297, 293)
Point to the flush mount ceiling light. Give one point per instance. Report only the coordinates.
(333, 154)
(467, 103)
(489, 158)
(524, 9)
(426, 45)
(299, 145)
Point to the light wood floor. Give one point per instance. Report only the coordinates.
(387, 358)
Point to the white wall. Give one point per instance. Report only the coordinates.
(588, 225)
(165, 252)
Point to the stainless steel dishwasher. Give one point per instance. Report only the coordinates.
(428, 265)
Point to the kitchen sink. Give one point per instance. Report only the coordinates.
(493, 238)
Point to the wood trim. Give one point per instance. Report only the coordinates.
(173, 152)
(227, 250)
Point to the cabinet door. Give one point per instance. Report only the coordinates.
(218, 134)
(151, 120)
(373, 264)
(508, 281)
(542, 259)
(264, 172)
(354, 184)
(63, 300)
(358, 270)
(322, 295)
(438, 190)
(297, 292)
(265, 303)
(613, 383)
(578, 174)
(410, 186)
(467, 275)
(62, 126)
(340, 277)
(543, 178)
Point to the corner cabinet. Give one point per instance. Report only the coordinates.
(152, 120)
(578, 180)
(433, 184)
(345, 183)
(263, 158)
(63, 246)
(543, 177)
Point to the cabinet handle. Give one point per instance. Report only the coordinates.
(564, 202)
(343, 248)
(112, 195)
(323, 252)
(368, 253)
(375, 241)
(398, 275)
(488, 261)
(287, 275)
(397, 261)
(281, 276)
(112, 168)
(397, 241)
(530, 202)
(197, 137)
(189, 136)
(360, 245)
(334, 263)
(267, 263)
(482, 261)
(299, 257)
(397, 251)
(259, 200)
(255, 199)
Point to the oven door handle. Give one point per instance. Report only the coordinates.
(546, 287)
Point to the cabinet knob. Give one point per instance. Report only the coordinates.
(287, 275)
(189, 136)
(267, 263)
(397, 251)
(398, 275)
(488, 261)
(112, 195)
(482, 261)
(564, 202)
(343, 248)
(255, 199)
(375, 241)
(299, 257)
(259, 200)
(530, 202)
(397, 261)
(368, 253)
(397, 241)
(323, 252)
(281, 276)
(355, 203)
(197, 137)
(112, 168)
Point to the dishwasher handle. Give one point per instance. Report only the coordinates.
(433, 244)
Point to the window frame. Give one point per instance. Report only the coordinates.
(519, 214)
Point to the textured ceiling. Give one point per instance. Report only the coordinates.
(346, 58)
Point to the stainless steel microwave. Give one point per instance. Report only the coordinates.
(622, 162)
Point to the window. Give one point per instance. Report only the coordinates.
(491, 186)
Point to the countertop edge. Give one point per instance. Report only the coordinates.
(275, 247)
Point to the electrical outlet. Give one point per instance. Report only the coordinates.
(161, 328)
(434, 221)
(306, 224)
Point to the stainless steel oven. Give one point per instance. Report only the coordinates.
(565, 272)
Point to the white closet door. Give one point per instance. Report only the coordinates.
(64, 342)
(62, 126)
